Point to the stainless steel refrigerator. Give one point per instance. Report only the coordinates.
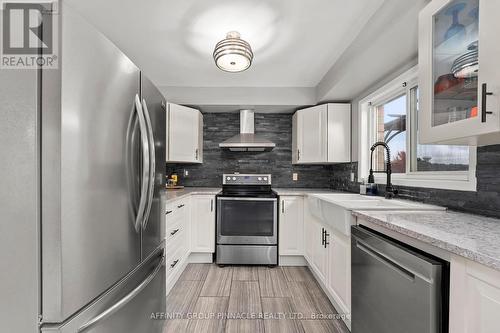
(81, 222)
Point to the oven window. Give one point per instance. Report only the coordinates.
(247, 218)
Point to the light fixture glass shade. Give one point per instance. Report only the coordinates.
(233, 54)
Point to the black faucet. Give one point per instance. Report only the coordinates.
(390, 192)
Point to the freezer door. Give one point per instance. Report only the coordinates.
(154, 104)
(131, 306)
(89, 239)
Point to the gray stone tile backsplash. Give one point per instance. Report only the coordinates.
(278, 128)
(218, 127)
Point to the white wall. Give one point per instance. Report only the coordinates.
(387, 42)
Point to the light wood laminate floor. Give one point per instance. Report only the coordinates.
(240, 299)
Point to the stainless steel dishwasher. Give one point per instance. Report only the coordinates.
(396, 288)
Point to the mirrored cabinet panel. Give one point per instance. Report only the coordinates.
(455, 62)
(459, 72)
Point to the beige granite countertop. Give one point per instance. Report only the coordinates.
(172, 195)
(474, 237)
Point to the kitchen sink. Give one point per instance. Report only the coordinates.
(335, 209)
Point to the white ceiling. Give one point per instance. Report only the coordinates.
(295, 41)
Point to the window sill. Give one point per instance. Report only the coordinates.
(456, 182)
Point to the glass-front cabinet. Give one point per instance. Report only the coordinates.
(459, 72)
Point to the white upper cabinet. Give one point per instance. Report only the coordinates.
(184, 134)
(459, 72)
(322, 134)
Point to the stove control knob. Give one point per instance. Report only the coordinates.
(234, 178)
(260, 178)
(228, 178)
(265, 179)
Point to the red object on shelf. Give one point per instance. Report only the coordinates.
(473, 112)
(445, 82)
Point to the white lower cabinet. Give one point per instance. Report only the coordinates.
(291, 225)
(203, 223)
(308, 233)
(328, 254)
(320, 252)
(339, 270)
(474, 297)
(177, 231)
(190, 228)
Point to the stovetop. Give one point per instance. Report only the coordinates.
(247, 185)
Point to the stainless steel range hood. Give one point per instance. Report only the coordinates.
(247, 140)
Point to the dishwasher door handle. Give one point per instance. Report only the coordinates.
(385, 260)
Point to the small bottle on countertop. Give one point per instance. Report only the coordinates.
(174, 179)
(371, 189)
(362, 187)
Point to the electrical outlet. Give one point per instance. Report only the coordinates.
(295, 176)
(352, 176)
(186, 173)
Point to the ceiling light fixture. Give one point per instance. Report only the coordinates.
(233, 54)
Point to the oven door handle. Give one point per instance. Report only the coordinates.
(245, 199)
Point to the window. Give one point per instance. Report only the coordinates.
(390, 127)
(391, 115)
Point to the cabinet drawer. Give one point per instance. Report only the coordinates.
(176, 209)
(174, 229)
(176, 252)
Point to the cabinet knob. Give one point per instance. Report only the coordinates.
(168, 212)
(180, 206)
(174, 263)
(174, 232)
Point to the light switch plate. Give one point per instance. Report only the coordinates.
(352, 176)
(295, 176)
(186, 173)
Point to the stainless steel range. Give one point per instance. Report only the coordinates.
(247, 221)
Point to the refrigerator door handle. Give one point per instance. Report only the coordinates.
(145, 164)
(152, 164)
(122, 302)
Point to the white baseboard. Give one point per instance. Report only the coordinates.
(200, 258)
(337, 306)
(292, 261)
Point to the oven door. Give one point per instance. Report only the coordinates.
(247, 220)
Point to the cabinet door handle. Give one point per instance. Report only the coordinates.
(196, 154)
(174, 232)
(326, 241)
(168, 212)
(180, 206)
(322, 236)
(484, 93)
(211, 205)
(174, 263)
(283, 206)
(298, 154)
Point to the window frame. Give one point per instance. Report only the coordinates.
(403, 84)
